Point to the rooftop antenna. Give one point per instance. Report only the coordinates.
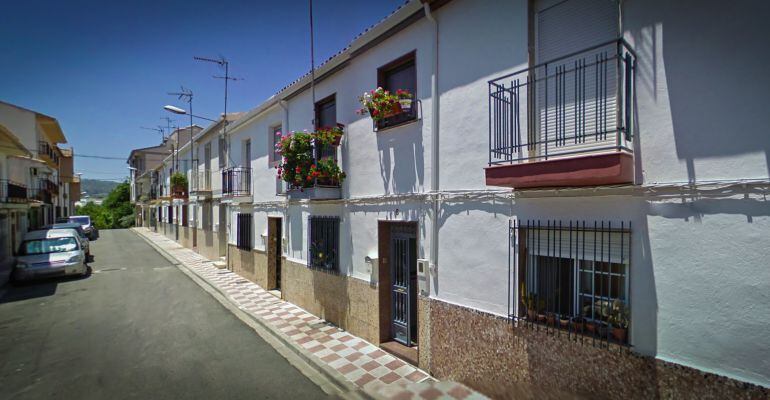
(223, 63)
(185, 95)
(159, 129)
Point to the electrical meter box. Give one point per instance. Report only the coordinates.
(423, 277)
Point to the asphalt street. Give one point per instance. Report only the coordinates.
(136, 328)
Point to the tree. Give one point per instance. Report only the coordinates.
(115, 212)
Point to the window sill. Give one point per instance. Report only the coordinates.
(398, 125)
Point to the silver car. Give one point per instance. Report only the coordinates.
(54, 252)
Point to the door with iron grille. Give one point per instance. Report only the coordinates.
(403, 256)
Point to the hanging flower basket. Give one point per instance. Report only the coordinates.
(299, 167)
(380, 103)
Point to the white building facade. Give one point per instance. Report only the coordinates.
(566, 208)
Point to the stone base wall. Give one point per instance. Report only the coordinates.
(208, 244)
(489, 354)
(186, 236)
(250, 264)
(347, 302)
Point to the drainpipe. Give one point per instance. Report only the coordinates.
(434, 146)
(284, 129)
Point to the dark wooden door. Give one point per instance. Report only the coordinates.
(274, 250)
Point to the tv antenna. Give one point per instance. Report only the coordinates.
(223, 63)
(159, 129)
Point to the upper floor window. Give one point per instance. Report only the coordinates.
(221, 147)
(246, 158)
(326, 117)
(400, 74)
(273, 139)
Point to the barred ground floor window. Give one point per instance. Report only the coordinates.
(323, 243)
(243, 238)
(574, 274)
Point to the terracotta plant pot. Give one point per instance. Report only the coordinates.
(394, 111)
(564, 323)
(540, 317)
(531, 315)
(591, 327)
(551, 320)
(578, 325)
(620, 334)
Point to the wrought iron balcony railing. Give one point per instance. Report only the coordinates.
(11, 192)
(45, 149)
(576, 104)
(236, 181)
(200, 182)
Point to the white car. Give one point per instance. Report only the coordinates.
(49, 253)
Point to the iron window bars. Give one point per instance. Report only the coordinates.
(575, 104)
(12, 192)
(44, 148)
(572, 276)
(243, 240)
(323, 243)
(236, 181)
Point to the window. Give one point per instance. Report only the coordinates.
(243, 240)
(573, 272)
(221, 148)
(273, 139)
(323, 243)
(399, 74)
(326, 117)
(207, 166)
(207, 216)
(48, 246)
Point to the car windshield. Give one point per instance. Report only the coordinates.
(47, 246)
(81, 220)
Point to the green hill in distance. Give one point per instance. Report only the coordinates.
(97, 187)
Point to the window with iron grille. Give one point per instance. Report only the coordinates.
(170, 214)
(244, 221)
(573, 275)
(323, 243)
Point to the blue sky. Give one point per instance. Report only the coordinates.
(103, 68)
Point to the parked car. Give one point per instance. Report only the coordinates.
(81, 234)
(62, 220)
(49, 253)
(85, 221)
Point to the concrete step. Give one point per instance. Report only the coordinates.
(221, 264)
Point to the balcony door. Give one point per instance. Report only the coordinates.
(575, 95)
(326, 117)
(207, 166)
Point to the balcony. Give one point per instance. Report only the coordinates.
(47, 152)
(200, 184)
(310, 167)
(565, 122)
(11, 192)
(40, 194)
(236, 183)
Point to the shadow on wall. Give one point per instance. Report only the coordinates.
(714, 73)
(402, 158)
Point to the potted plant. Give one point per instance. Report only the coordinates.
(563, 321)
(591, 327)
(551, 319)
(380, 103)
(619, 320)
(330, 135)
(299, 166)
(404, 99)
(578, 324)
(178, 184)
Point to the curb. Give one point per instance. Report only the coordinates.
(342, 386)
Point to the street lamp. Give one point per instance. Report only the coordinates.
(177, 110)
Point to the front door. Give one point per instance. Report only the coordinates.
(403, 256)
(274, 250)
(222, 229)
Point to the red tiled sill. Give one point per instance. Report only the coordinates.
(585, 170)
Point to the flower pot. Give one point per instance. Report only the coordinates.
(620, 334)
(564, 323)
(531, 315)
(394, 111)
(551, 319)
(540, 317)
(591, 327)
(337, 140)
(578, 325)
(406, 104)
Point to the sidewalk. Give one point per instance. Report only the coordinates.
(340, 354)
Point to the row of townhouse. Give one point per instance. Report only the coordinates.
(37, 178)
(575, 203)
